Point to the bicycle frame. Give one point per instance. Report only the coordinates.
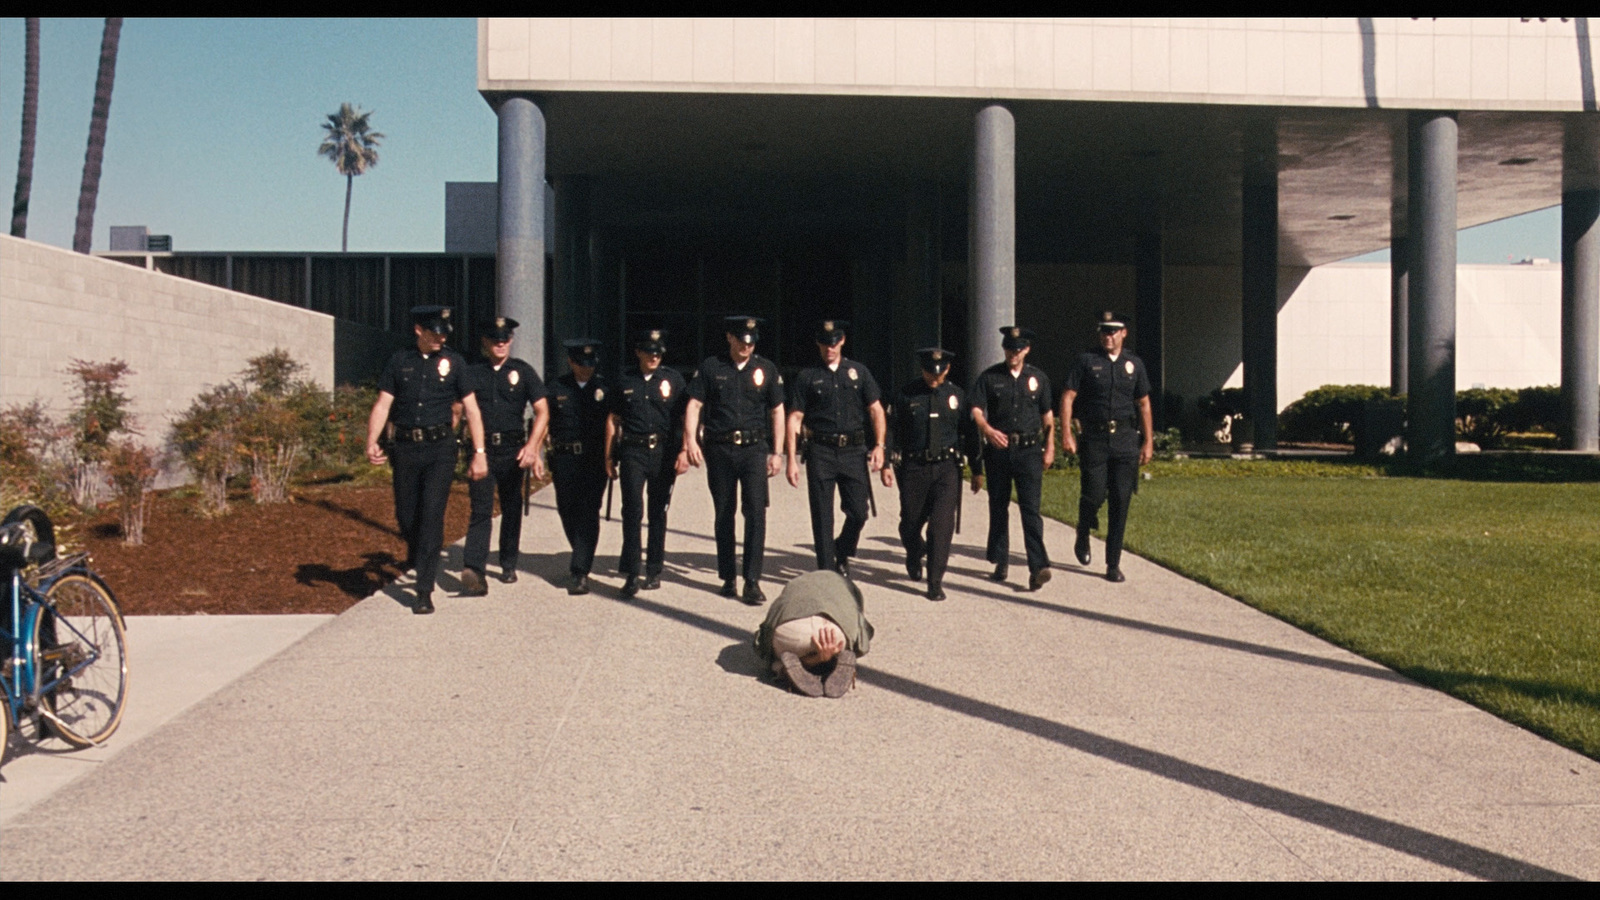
(22, 686)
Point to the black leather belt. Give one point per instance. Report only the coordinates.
(404, 435)
(928, 457)
(839, 438)
(574, 448)
(1109, 426)
(737, 438)
(500, 438)
(1022, 440)
(649, 441)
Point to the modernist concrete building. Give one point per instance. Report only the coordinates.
(933, 179)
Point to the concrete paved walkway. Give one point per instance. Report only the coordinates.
(1154, 729)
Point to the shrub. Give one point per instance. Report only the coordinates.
(1169, 443)
(281, 417)
(1223, 406)
(1328, 414)
(341, 439)
(207, 438)
(133, 469)
(100, 415)
(31, 448)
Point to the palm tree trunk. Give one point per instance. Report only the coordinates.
(89, 193)
(344, 242)
(30, 127)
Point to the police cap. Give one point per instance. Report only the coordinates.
(500, 328)
(432, 318)
(832, 331)
(745, 328)
(652, 341)
(935, 360)
(583, 351)
(1015, 337)
(1111, 321)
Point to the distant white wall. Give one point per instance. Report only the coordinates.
(179, 336)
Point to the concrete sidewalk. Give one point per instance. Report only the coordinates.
(1154, 729)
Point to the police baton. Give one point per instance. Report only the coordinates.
(527, 490)
(610, 483)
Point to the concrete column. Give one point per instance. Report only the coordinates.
(992, 240)
(1399, 312)
(1580, 282)
(1431, 228)
(1149, 336)
(1260, 279)
(519, 256)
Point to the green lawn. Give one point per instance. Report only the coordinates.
(1487, 590)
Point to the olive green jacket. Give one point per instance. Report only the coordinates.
(821, 593)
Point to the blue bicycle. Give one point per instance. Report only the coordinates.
(65, 663)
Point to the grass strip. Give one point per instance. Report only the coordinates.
(1487, 590)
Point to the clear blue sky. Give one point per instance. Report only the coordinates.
(215, 124)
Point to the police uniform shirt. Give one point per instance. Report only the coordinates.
(735, 399)
(1015, 405)
(578, 413)
(424, 387)
(835, 400)
(1106, 388)
(928, 418)
(651, 405)
(505, 393)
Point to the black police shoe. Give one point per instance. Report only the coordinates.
(423, 606)
(1115, 576)
(651, 583)
(1038, 578)
(1081, 548)
(508, 574)
(842, 566)
(753, 595)
(472, 583)
(999, 573)
(630, 588)
(729, 588)
(578, 585)
(914, 569)
(935, 592)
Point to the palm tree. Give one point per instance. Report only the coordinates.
(90, 191)
(353, 149)
(30, 127)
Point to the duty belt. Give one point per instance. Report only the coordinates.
(839, 438)
(405, 435)
(499, 438)
(649, 441)
(928, 457)
(1023, 440)
(1109, 426)
(575, 448)
(737, 438)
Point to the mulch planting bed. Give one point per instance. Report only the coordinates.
(328, 549)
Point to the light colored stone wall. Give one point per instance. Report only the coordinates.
(179, 336)
(1461, 63)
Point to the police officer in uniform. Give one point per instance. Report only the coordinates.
(505, 387)
(416, 392)
(645, 430)
(1106, 389)
(834, 403)
(578, 455)
(930, 427)
(738, 397)
(1011, 407)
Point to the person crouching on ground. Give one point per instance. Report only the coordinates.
(814, 633)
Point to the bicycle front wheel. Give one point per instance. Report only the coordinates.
(83, 662)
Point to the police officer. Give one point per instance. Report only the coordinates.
(834, 403)
(416, 391)
(578, 455)
(645, 431)
(504, 387)
(1011, 407)
(930, 427)
(738, 396)
(1104, 391)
